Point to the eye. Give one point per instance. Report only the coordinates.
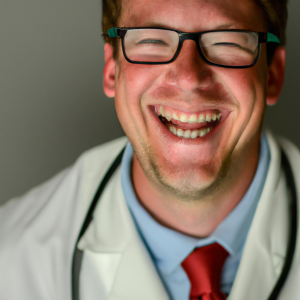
(228, 44)
(234, 45)
(151, 41)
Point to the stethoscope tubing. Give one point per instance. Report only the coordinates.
(293, 227)
(78, 254)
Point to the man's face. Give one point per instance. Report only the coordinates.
(189, 88)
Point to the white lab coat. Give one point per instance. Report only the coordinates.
(38, 233)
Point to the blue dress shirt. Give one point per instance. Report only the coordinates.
(168, 248)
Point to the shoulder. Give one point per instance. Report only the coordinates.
(289, 148)
(62, 188)
(38, 230)
(56, 207)
(103, 154)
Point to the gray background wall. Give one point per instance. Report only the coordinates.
(52, 106)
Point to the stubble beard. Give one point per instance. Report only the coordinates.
(185, 192)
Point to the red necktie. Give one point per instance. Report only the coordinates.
(203, 267)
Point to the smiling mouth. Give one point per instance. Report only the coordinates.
(188, 125)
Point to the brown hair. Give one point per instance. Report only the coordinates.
(275, 11)
(277, 14)
(111, 11)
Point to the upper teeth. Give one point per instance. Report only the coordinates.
(182, 117)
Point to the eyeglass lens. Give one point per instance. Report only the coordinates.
(228, 48)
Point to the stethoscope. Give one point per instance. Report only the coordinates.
(78, 254)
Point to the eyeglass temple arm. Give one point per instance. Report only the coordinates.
(272, 38)
(113, 32)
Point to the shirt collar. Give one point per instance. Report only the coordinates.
(169, 247)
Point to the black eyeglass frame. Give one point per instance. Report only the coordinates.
(120, 32)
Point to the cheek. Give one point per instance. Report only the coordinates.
(252, 92)
(248, 88)
(133, 81)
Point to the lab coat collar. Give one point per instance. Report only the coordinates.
(112, 240)
(266, 244)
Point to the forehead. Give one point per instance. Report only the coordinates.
(193, 15)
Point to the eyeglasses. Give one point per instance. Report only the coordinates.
(224, 48)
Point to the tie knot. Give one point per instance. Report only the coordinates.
(203, 267)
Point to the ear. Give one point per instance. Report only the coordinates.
(276, 76)
(109, 71)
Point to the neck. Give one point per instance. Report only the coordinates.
(195, 218)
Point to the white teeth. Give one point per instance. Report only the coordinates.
(194, 134)
(183, 118)
(168, 116)
(202, 118)
(193, 119)
(202, 132)
(161, 110)
(188, 134)
(180, 132)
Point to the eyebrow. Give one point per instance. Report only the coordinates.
(225, 26)
(161, 25)
(148, 24)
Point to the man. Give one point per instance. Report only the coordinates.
(200, 205)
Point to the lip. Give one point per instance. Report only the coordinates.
(199, 140)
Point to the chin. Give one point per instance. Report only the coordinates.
(189, 183)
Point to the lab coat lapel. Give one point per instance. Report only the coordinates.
(266, 244)
(116, 264)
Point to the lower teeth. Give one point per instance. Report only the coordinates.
(189, 134)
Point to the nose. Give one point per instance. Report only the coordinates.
(189, 71)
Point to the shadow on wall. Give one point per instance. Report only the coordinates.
(52, 103)
(283, 118)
